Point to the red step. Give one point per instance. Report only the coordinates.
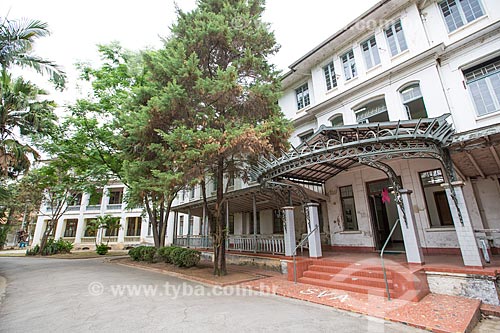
(345, 278)
(345, 286)
(371, 272)
(404, 283)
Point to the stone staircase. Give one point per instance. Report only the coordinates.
(366, 278)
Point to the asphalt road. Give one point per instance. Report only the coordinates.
(95, 295)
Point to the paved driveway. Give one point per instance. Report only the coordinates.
(95, 295)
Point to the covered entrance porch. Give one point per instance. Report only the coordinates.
(391, 149)
(255, 221)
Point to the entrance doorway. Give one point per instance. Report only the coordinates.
(384, 214)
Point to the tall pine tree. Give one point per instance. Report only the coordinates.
(216, 96)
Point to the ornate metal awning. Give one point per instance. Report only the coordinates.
(332, 150)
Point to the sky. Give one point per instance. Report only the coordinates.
(78, 26)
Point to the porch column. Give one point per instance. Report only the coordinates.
(254, 206)
(227, 225)
(39, 229)
(289, 230)
(122, 230)
(411, 239)
(80, 230)
(465, 232)
(190, 231)
(314, 236)
(59, 229)
(176, 221)
(144, 229)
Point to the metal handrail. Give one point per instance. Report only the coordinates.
(382, 258)
(295, 253)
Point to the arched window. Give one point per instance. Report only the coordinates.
(337, 120)
(372, 112)
(413, 101)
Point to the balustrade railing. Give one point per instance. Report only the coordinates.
(274, 244)
(194, 241)
(73, 208)
(131, 239)
(93, 207)
(114, 206)
(110, 239)
(88, 240)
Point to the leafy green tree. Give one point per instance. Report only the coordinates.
(110, 134)
(17, 38)
(215, 101)
(58, 184)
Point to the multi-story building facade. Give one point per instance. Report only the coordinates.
(396, 118)
(84, 208)
(401, 64)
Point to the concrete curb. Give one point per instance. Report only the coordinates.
(205, 282)
(3, 288)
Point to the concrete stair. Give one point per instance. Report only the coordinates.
(404, 282)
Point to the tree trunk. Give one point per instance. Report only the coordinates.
(220, 234)
(45, 237)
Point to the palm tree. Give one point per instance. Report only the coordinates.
(22, 113)
(17, 38)
(110, 224)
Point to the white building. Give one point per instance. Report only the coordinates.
(372, 97)
(398, 63)
(72, 225)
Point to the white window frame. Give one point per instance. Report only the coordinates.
(334, 117)
(485, 72)
(460, 12)
(306, 135)
(330, 76)
(349, 64)
(399, 48)
(369, 55)
(302, 99)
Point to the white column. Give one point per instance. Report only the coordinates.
(289, 231)
(40, 226)
(465, 232)
(314, 237)
(80, 229)
(59, 228)
(414, 254)
(144, 229)
(122, 230)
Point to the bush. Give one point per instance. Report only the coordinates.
(52, 247)
(148, 253)
(101, 249)
(134, 253)
(189, 258)
(33, 251)
(178, 256)
(165, 253)
(175, 256)
(63, 246)
(143, 253)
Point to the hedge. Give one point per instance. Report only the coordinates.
(178, 256)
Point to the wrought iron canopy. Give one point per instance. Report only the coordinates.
(332, 150)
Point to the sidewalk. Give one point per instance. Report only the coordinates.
(17, 252)
(436, 313)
